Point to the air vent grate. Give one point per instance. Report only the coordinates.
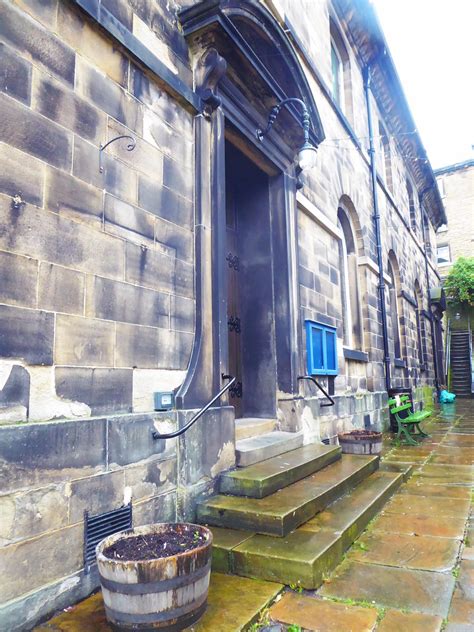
(98, 527)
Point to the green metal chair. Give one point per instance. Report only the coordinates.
(408, 426)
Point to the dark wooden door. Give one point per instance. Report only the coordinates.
(234, 325)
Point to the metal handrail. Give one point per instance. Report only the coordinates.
(157, 435)
(448, 354)
(471, 362)
(310, 377)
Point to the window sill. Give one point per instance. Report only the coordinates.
(399, 363)
(357, 356)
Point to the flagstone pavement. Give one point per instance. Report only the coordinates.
(411, 570)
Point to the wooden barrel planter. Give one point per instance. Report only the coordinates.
(161, 593)
(360, 442)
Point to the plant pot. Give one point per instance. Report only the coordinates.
(360, 442)
(164, 593)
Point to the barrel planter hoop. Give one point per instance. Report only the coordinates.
(357, 442)
(166, 594)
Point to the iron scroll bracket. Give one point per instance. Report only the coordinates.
(311, 378)
(157, 435)
(129, 147)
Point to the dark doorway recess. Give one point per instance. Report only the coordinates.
(250, 304)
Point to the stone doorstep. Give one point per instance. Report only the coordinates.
(306, 555)
(265, 446)
(267, 477)
(247, 427)
(287, 509)
(234, 603)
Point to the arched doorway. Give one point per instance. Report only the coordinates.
(245, 206)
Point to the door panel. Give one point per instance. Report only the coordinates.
(234, 324)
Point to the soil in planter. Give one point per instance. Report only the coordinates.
(155, 545)
(360, 434)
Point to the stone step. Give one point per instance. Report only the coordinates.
(307, 554)
(290, 507)
(253, 426)
(265, 446)
(262, 479)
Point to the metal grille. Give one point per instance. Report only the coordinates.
(98, 527)
(326, 441)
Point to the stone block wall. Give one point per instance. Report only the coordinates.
(97, 297)
(342, 175)
(97, 293)
(52, 472)
(457, 186)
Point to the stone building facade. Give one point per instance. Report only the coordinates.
(456, 238)
(200, 252)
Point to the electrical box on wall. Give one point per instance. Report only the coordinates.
(164, 400)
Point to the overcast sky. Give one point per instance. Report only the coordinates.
(432, 44)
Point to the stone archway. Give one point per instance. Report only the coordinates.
(245, 64)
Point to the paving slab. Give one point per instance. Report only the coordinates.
(415, 487)
(447, 474)
(459, 459)
(233, 603)
(391, 587)
(322, 615)
(441, 526)
(468, 553)
(436, 506)
(87, 616)
(396, 621)
(407, 551)
(463, 441)
(459, 627)
(462, 609)
(465, 581)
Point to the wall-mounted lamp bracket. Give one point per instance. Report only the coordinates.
(130, 147)
(306, 157)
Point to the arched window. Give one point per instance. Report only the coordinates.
(411, 205)
(419, 324)
(393, 291)
(385, 156)
(340, 72)
(350, 299)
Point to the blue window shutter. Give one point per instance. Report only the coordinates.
(318, 348)
(331, 356)
(321, 349)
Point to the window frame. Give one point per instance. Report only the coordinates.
(339, 79)
(448, 260)
(311, 325)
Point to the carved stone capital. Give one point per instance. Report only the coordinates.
(210, 69)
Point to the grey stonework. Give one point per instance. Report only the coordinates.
(112, 285)
(52, 472)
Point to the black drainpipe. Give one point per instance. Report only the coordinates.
(433, 341)
(376, 218)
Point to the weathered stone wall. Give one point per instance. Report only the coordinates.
(52, 472)
(97, 296)
(342, 175)
(458, 197)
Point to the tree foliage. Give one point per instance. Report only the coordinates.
(459, 283)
